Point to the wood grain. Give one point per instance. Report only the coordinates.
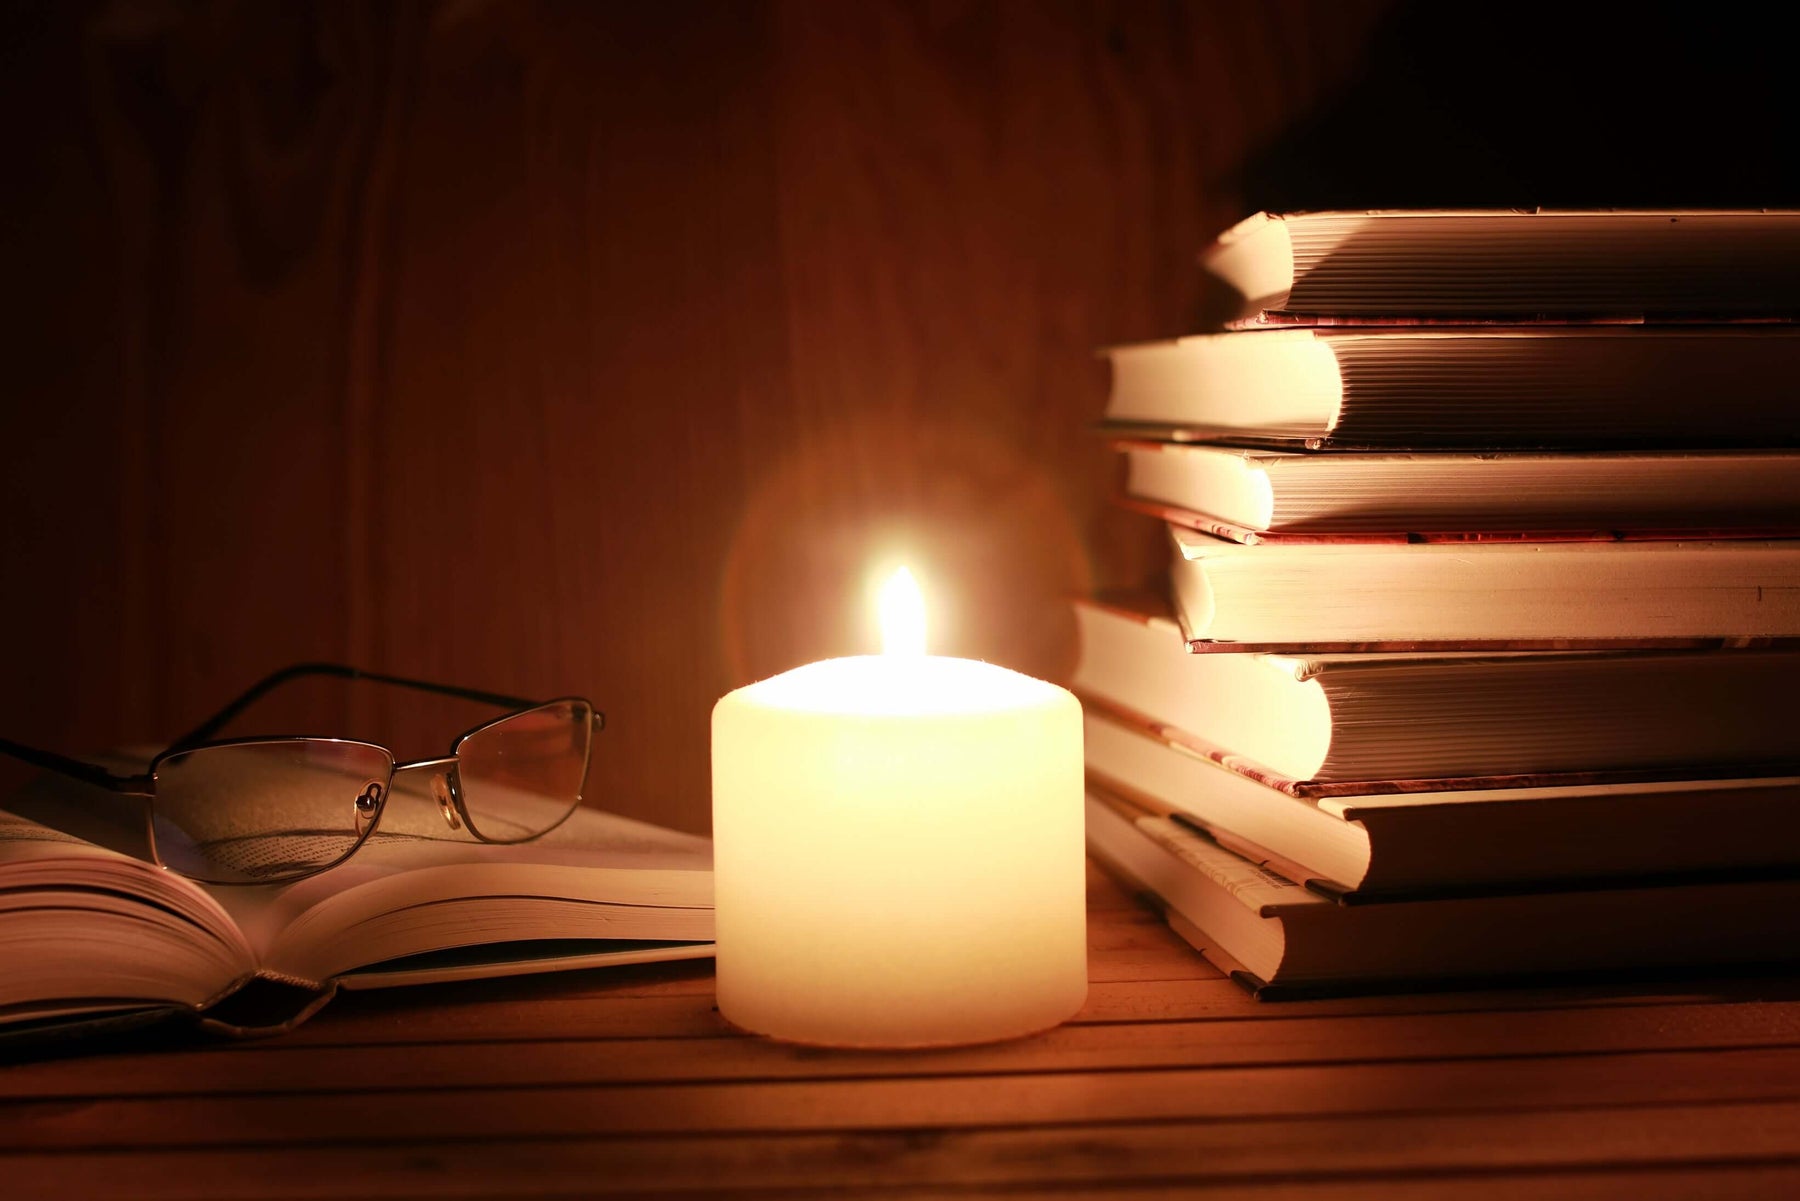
(606, 348)
(1196, 1153)
(587, 348)
(627, 1084)
(287, 1067)
(346, 1111)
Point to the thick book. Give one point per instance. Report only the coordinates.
(1352, 724)
(1501, 263)
(1513, 387)
(1495, 595)
(94, 937)
(1255, 496)
(1278, 938)
(1360, 846)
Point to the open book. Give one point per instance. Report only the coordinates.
(93, 935)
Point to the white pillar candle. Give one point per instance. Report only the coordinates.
(898, 854)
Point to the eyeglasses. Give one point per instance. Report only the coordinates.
(270, 810)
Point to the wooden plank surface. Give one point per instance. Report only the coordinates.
(1171, 1080)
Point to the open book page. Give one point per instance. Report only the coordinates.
(87, 928)
(419, 886)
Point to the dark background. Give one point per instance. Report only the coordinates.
(608, 348)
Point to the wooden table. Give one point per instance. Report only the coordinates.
(1170, 1080)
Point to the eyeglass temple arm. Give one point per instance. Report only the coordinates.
(269, 683)
(88, 773)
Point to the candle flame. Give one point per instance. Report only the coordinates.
(902, 608)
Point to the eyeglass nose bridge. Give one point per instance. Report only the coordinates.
(367, 807)
(446, 788)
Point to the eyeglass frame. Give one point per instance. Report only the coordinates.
(143, 785)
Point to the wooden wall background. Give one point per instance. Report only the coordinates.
(589, 348)
(597, 348)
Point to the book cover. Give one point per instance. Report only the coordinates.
(1322, 723)
(1458, 264)
(1252, 497)
(1523, 596)
(1280, 935)
(1359, 845)
(1497, 387)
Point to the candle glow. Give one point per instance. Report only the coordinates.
(902, 610)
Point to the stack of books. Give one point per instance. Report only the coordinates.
(1477, 653)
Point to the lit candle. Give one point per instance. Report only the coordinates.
(897, 848)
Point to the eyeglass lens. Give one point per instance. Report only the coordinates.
(258, 812)
(524, 774)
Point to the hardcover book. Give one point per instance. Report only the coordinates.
(1278, 938)
(1253, 496)
(1427, 265)
(1354, 723)
(1360, 845)
(1494, 595)
(1509, 387)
